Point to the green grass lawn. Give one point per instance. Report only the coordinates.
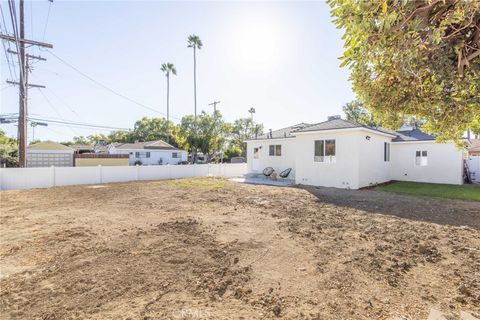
(447, 191)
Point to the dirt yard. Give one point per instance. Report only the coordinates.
(213, 249)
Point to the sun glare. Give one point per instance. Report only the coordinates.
(256, 42)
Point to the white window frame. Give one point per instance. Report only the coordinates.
(276, 148)
(325, 158)
(421, 158)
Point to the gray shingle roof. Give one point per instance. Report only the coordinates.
(150, 145)
(412, 135)
(335, 124)
(332, 125)
(283, 133)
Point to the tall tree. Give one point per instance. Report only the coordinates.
(355, 111)
(168, 68)
(414, 58)
(195, 43)
(251, 111)
(244, 128)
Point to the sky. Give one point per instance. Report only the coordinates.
(279, 57)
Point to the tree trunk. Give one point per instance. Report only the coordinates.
(168, 106)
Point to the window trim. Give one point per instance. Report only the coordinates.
(386, 151)
(275, 150)
(323, 157)
(421, 158)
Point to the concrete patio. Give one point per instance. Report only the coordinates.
(265, 181)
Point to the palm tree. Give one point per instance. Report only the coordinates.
(251, 111)
(168, 68)
(195, 43)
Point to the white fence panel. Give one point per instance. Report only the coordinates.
(29, 178)
(182, 171)
(474, 166)
(66, 176)
(118, 174)
(154, 172)
(20, 178)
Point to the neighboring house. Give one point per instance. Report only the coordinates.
(150, 152)
(344, 154)
(474, 149)
(49, 153)
(100, 159)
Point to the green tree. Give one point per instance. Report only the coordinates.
(355, 111)
(414, 59)
(205, 133)
(8, 151)
(244, 128)
(168, 68)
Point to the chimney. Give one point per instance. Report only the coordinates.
(271, 136)
(335, 117)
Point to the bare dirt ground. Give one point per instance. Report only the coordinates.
(213, 249)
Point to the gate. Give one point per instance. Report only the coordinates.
(474, 166)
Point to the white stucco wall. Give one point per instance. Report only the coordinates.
(155, 156)
(445, 162)
(372, 167)
(279, 163)
(344, 173)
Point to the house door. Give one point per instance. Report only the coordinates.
(256, 160)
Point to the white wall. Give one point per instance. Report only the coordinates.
(372, 167)
(29, 178)
(445, 162)
(279, 163)
(344, 173)
(155, 156)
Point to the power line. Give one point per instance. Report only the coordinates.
(7, 56)
(108, 88)
(54, 109)
(46, 22)
(13, 116)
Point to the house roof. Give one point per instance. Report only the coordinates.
(403, 135)
(332, 125)
(48, 145)
(149, 145)
(282, 133)
(412, 135)
(475, 145)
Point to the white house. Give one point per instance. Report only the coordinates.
(149, 153)
(344, 154)
(49, 153)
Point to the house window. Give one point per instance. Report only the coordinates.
(175, 155)
(255, 153)
(275, 150)
(421, 158)
(325, 151)
(386, 151)
(137, 155)
(148, 154)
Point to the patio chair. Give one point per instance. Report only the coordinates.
(267, 172)
(284, 174)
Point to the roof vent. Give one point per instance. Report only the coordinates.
(335, 117)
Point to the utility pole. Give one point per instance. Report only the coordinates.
(20, 40)
(214, 104)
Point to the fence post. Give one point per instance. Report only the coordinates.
(136, 172)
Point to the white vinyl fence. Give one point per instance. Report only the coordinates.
(29, 178)
(474, 166)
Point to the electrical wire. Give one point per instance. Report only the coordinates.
(7, 56)
(46, 22)
(108, 88)
(53, 107)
